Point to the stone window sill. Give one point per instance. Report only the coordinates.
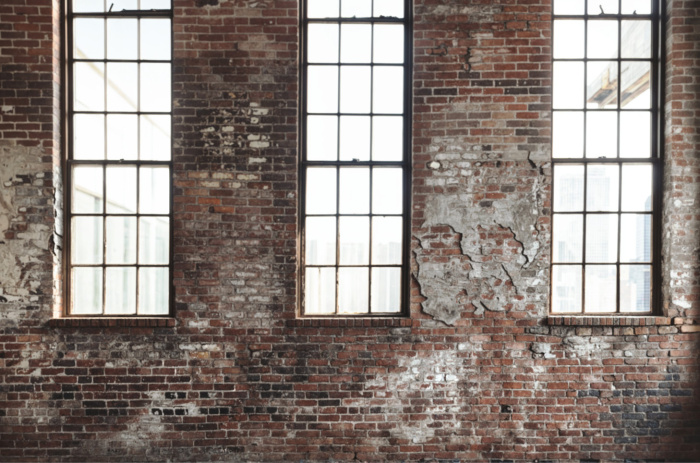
(107, 322)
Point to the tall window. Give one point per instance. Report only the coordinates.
(119, 157)
(355, 162)
(606, 156)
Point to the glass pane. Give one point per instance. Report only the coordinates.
(86, 240)
(88, 6)
(155, 4)
(569, 6)
(354, 190)
(86, 291)
(602, 38)
(356, 8)
(387, 138)
(567, 134)
(387, 96)
(387, 191)
(601, 288)
(322, 138)
(602, 7)
(354, 138)
(635, 85)
(635, 245)
(322, 89)
(636, 187)
(636, 7)
(390, 8)
(319, 291)
(121, 190)
(323, 43)
(353, 290)
(388, 43)
(387, 233)
(121, 240)
(566, 288)
(120, 297)
(155, 138)
(603, 189)
(89, 36)
(355, 43)
(320, 241)
(567, 238)
(354, 240)
(636, 39)
(635, 288)
(154, 297)
(122, 136)
(323, 8)
(601, 135)
(568, 188)
(154, 190)
(568, 39)
(635, 134)
(119, 5)
(89, 87)
(122, 87)
(155, 87)
(567, 91)
(154, 240)
(355, 89)
(155, 39)
(601, 238)
(601, 88)
(122, 38)
(89, 135)
(386, 290)
(87, 192)
(321, 190)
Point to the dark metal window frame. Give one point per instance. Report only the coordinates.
(656, 158)
(68, 61)
(404, 164)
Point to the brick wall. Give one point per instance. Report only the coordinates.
(478, 372)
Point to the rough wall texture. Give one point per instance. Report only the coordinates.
(476, 373)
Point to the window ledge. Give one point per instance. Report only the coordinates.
(365, 322)
(608, 320)
(105, 322)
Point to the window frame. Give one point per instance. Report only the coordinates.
(404, 164)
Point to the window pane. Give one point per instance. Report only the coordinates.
(156, 140)
(569, 6)
(354, 240)
(320, 241)
(635, 245)
(635, 85)
(120, 245)
(635, 288)
(323, 43)
(154, 289)
(568, 188)
(89, 136)
(387, 191)
(635, 134)
(567, 90)
(322, 138)
(86, 242)
(636, 187)
(155, 39)
(387, 138)
(353, 290)
(568, 39)
(155, 4)
(355, 43)
(355, 89)
(601, 135)
(354, 190)
(354, 138)
(89, 87)
(122, 87)
(567, 134)
(388, 43)
(636, 6)
(386, 289)
(321, 190)
(88, 6)
(390, 8)
(119, 5)
(387, 235)
(122, 134)
(319, 291)
(602, 7)
(602, 38)
(154, 240)
(387, 92)
(601, 238)
(155, 87)
(87, 191)
(601, 288)
(602, 192)
(122, 38)
(356, 8)
(323, 8)
(567, 236)
(601, 89)
(566, 288)
(154, 190)
(120, 297)
(322, 90)
(636, 39)
(86, 291)
(89, 35)
(121, 190)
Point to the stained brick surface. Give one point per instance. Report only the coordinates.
(476, 373)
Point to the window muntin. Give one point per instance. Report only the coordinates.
(606, 160)
(355, 162)
(118, 165)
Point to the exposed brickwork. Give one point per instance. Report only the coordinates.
(477, 373)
